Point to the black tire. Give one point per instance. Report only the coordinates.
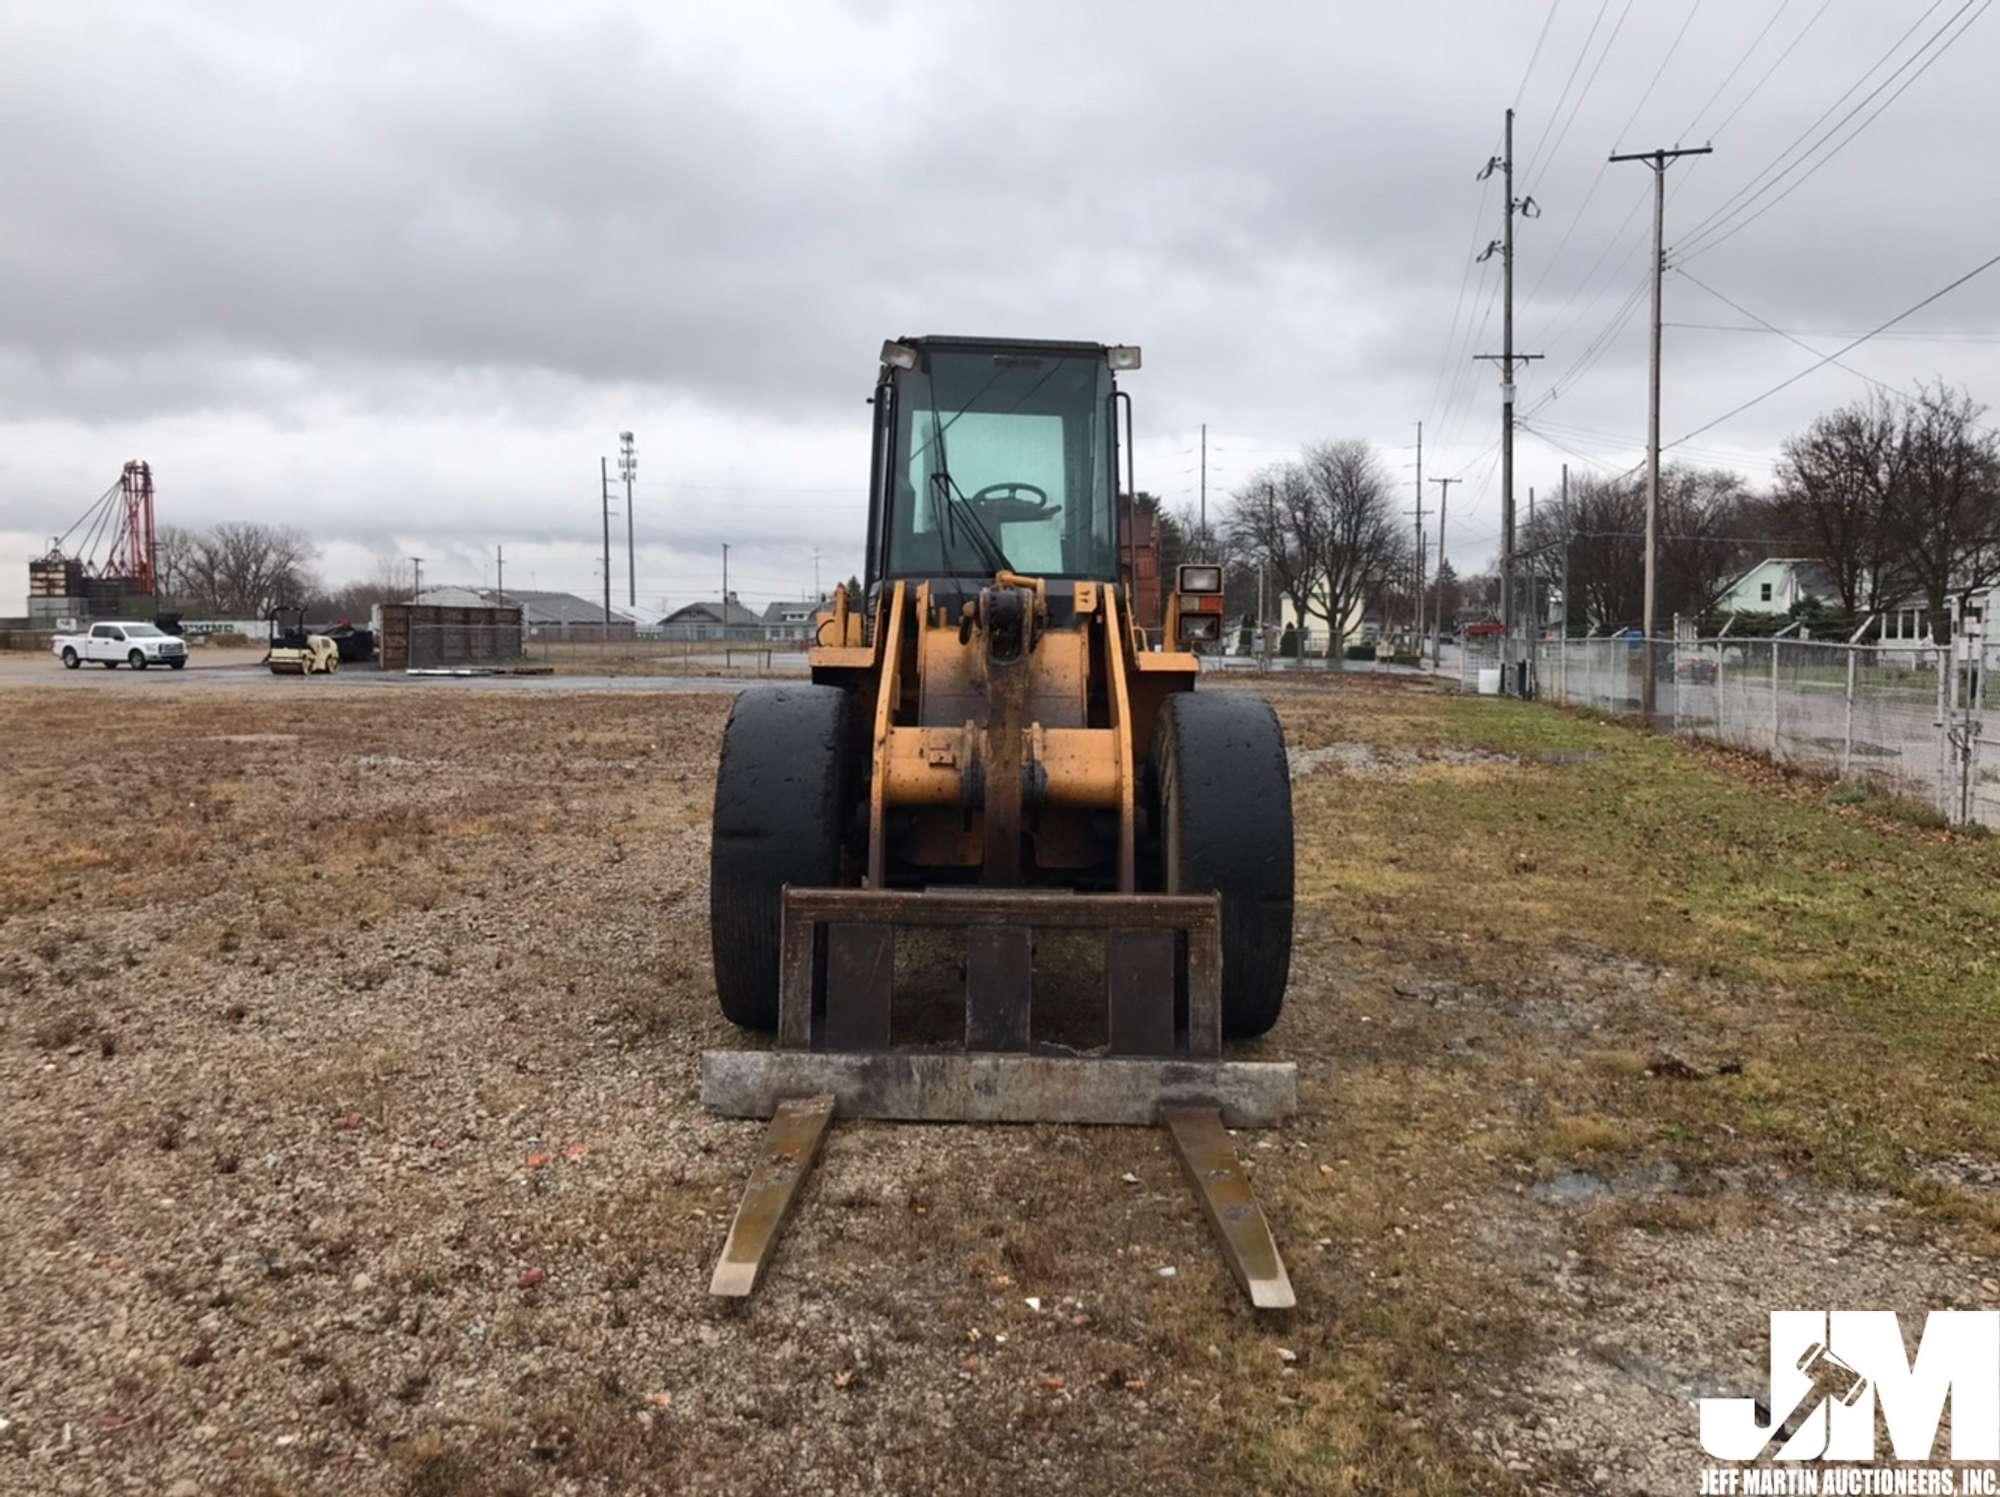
(177, 664)
(781, 802)
(1226, 825)
(70, 659)
(137, 660)
(110, 665)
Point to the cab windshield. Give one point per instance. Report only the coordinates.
(1003, 459)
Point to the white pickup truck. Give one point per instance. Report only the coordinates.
(113, 645)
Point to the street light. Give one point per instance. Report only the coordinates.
(628, 469)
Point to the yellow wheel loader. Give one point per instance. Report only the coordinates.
(991, 744)
(294, 651)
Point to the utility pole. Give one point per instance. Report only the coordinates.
(816, 592)
(1565, 633)
(604, 481)
(416, 578)
(725, 589)
(1507, 358)
(1417, 629)
(500, 576)
(1420, 539)
(1562, 650)
(1204, 488)
(628, 467)
(1657, 160)
(1437, 623)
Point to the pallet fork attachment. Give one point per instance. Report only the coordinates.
(1162, 1066)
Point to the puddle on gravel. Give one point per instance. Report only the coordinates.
(1535, 1010)
(1960, 1170)
(1366, 759)
(1582, 1188)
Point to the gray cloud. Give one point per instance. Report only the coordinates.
(403, 271)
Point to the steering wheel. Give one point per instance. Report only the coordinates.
(1002, 503)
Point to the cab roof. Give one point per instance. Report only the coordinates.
(1046, 345)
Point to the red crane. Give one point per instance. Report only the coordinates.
(122, 515)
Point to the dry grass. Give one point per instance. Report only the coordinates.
(330, 1021)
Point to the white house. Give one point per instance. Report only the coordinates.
(1906, 624)
(791, 620)
(1775, 584)
(1284, 616)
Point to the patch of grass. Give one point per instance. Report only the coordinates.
(1835, 951)
(1583, 1137)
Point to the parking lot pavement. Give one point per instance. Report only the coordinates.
(243, 670)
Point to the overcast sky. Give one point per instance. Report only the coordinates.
(398, 274)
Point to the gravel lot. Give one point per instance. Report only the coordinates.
(349, 1141)
(244, 670)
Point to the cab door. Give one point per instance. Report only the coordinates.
(105, 643)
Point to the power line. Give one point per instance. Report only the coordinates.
(1755, 88)
(1449, 364)
(1869, 379)
(1550, 339)
(1563, 97)
(1533, 56)
(1730, 77)
(1665, 58)
(1535, 178)
(1726, 234)
(1459, 403)
(1822, 362)
(1618, 233)
(1908, 335)
(1751, 189)
(1596, 348)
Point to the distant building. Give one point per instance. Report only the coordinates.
(1358, 626)
(1906, 624)
(728, 622)
(1776, 584)
(545, 615)
(792, 622)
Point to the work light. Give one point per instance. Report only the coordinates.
(1203, 628)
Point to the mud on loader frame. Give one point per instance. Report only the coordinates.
(981, 756)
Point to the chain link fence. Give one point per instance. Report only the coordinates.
(1922, 723)
(592, 652)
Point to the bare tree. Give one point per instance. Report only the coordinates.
(238, 570)
(1945, 517)
(1479, 595)
(387, 582)
(1836, 491)
(1273, 522)
(172, 549)
(1445, 595)
(1605, 542)
(1702, 529)
(1361, 541)
(1701, 533)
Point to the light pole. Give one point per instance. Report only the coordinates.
(628, 469)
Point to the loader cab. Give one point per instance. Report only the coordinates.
(994, 455)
